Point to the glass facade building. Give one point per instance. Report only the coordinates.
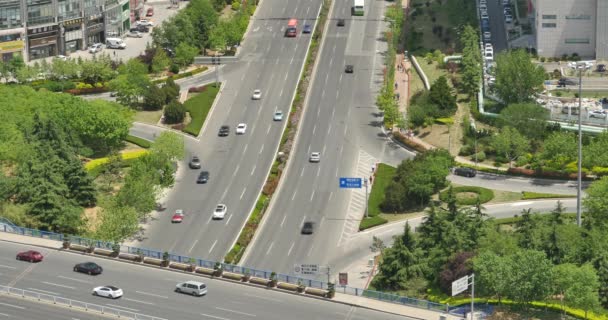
(12, 32)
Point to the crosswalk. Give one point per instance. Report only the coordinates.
(356, 206)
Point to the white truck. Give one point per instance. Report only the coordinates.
(115, 43)
(358, 7)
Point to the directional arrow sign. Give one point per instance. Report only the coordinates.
(350, 183)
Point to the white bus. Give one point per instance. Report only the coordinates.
(358, 7)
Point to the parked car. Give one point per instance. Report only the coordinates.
(203, 177)
(145, 22)
(573, 111)
(600, 114)
(257, 94)
(194, 288)
(111, 292)
(465, 172)
(135, 34)
(278, 115)
(484, 15)
(61, 57)
(142, 28)
(308, 227)
(90, 268)
(96, 47)
(315, 157)
(31, 256)
(508, 18)
(224, 131)
(307, 29)
(150, 12)
(219, 212)
(349, 68)
(241, 128)
(341, 22)
(487, 36)
(601, 68)
(195, 163)
(178, 216)
(170, 52)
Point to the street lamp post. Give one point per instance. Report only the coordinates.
(580, 67)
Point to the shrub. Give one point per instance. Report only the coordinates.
(236, 5)
(409, 142)
(481, 156)
(175, 112)
(600, 171)
(197, 89)
(171, 90)
(154, 98)
(370, 222)
(93, 164)
(466, 150)
(270, 186)
(483, 194)
(174, 69)
(138, 141)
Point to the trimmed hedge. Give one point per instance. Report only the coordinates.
(198, 107)
(95, 166)
(483, 194)
(235, 254)
(139, 141)
(370, 222)
(382, 178)
(526, 195)
(181, 75)
(512, 220)
(409, 143)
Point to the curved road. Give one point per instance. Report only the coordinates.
(149, 291)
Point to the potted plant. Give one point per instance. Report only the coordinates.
(66, 241)
(273, 280)
(115, 250)
(91, 246)
(140, 256)
(331, 290)
(217, 269)
(246, 276)
(165, 262)
(192, 265)
(301, 286)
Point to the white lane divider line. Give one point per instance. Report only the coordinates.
(228, 221)
(7, 267)
(191, 247)
(12, 306)
(294, 195)
(318, 171)
(138, 301)
(5, 314)
(117, 306)
(310, 250)
(314, 128)
(44, 291)
(243, 193)
(214, 317)
(269, 248)
(283, 221)
(525, 203)
(58, 285)
(312, 196)
(253, 170)
(237, 312)
(268, 130)
(302, 173)
(263, 298)
(72, 279)
(212, 246)
(152, 294)
(290, 248)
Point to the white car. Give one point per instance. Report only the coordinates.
(61, 57)
(600, 114)
(484, 15)
(489, 56)
(508, 18)
(483, 6)
(488, 45)
(96, 47)
(241, 128)
(505, 2)
(315, 157)
(487, 36)
(135, 34)
(108, 292)
(489, 51)
(220, 211)
(482, 2)
(278, 115)
(145, 22)
(257, 94)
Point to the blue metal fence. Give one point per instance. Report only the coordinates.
(7, 227)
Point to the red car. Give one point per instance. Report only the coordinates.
(150, 12)
(31, 256)
(178, 217)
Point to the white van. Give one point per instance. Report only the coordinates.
(194, 288)
(115, 43)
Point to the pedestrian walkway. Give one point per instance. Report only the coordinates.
(366, 165)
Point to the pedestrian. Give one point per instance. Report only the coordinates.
(396, 85)
(114, 53)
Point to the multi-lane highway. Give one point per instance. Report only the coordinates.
(238, 164)
(343, 124)
(150, 291)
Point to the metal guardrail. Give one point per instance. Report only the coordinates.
(84, 306)
(312, 283)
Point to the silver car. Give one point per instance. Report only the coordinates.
(194, 288)
(135, 34)
(96, 47)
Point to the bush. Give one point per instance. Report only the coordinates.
(56, 86)
(536, 195)
(481, 156)
(139, 141)
(130, 155)
(197, 89)
(171, 90)
(483, 194)
(466, 150)
(175, 112)
(174, 69)
(154, 98)
(409, 142)
(236, 5)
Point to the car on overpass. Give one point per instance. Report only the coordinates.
(219, 212)
(111, 292)
(31, 256)
(278, 115)
(224, 131)
(315, 157)
(241, 128)
(195, 163)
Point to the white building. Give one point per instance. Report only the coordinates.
(571, 26)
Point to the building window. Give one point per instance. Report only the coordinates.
(578, 17)
(575, 40)
(40, 11)
(10, 14)
(550, 16)
(549, 25)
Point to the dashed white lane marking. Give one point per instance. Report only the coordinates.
(525, 203)
(269, 248)
(44, 291)
(213, 246)
(138, 301)
(152, 294)
(58, 285)
(214, 317)
(12, 306)
(237, 312)
(290, 248)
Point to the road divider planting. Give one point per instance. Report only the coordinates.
(382, 178)
(199, 106)
(468, 195)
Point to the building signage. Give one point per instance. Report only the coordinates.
(11, 46)
(73, 22)
(43, 41)
(343, 278)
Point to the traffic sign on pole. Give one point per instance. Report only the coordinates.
(310, 269)
(460, 285)
(350, 183)
(343, 277)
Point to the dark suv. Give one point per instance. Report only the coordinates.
(203, 177)
(224, 131)
(465, 172)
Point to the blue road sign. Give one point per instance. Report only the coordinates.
(350, 182)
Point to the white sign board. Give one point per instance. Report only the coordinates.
(311, 269)
(460, 285)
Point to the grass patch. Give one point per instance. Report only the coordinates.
(139, 141)
(536, 195)
(416, 84)
(384, 175)
(467, 195)
(505, 196)
(431, 70)
(151, 117)
(367, 223)
(198, 106)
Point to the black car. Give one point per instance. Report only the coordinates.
(224, 131)
(349, 68)
(565, 81)
(195, 163)
(89, 268)
(601, 68)
(465, 172)
(203, 177)
(341, 22)
(142, 28)
(308, 227)
(307, 29)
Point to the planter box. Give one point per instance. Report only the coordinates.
(261, 281)
(206, 271)
(287, 286)
(316, 292)
(103, 252)
(77, 247)
(152, 261)
(128, 256)
(179, 266)
(233, 276)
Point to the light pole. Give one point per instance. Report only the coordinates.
(579, 189)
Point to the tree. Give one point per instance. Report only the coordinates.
(218, 39)
(160, 62)
(528, 230)
(174, 112)
(601, 266)
(529, 119)
(518, 79)
(131, 83)
(171, 90)
(79, 183)
(441, 95)
(168, 145)
(531, 275)
(25, 74)
(595, 151)
(577, 285)
(117, 223)
(457, 267)
(61, 70)
(596, 205)
(16, 63)
(471, 60)
(154, 99)
(510, 143)
(97, 70)
(184, 54)
(138, 191)
(493, 276)
(559, 149)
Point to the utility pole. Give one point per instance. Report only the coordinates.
(216, 62)
(579, 188)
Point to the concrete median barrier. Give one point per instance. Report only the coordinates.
(103, 252)
(205, 271)
(262, 281)
(316, 292)
(79, 248)
(232, 276)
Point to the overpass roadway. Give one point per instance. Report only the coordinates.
(343, 124)
(149, 291)
(238, 164)
(17, 308)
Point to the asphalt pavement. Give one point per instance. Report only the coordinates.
(12, 307)
(238, 164)
(497, 26)
(343, 124)
(150, 291)
(518, 184)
